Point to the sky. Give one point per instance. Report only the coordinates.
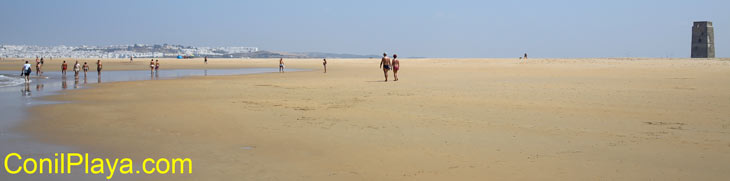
(455, 28)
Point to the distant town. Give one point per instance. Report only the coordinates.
(154, 51)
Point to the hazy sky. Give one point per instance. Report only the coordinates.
(585, 28)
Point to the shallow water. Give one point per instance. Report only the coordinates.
(17, 97)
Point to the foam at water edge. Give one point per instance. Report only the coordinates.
(7, 81)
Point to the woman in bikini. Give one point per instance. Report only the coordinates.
(396, 66)
(64, 66)
(152, 65)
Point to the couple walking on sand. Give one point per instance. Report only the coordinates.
(386, 63)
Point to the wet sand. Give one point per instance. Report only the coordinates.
(446, 119)
(138, 64)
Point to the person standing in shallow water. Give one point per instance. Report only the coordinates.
(324, 63)
(385, 64)
(396, 67)
(86, 68)
(98, 67)
(77, 68)
(26, 71)
(64, 66)
(152, 65)
(281, 64)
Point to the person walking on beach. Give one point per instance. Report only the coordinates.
(396, 66)
(64, 66)
(281, 64)
(206, 60)
(25, 72)
(86, 68)
(324, 63)
(525, 57)
(130, 59)
(98, 67)
(152, 65)
(385, 64)
(157, 65)
(77, 68)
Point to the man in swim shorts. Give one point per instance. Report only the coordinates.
(98, 67)
(385, 64)
(26, 71)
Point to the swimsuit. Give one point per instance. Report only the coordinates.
(395, 67)
(386, 67)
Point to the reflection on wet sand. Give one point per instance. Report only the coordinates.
(154, 75)
(59, 81)
(64, 85)
(26, 90)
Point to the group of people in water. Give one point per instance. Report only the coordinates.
(77, 68)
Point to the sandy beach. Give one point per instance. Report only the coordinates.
(446, 119)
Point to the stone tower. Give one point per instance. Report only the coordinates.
(703, 40)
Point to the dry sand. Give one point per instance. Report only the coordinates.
(446, 119)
